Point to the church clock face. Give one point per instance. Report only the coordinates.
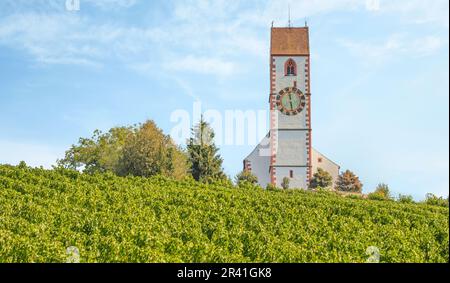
(291, 101)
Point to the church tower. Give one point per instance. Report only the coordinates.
(290, 107)
(286, 151)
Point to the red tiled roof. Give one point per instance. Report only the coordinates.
(290, 41)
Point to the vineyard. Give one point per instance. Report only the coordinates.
(116, 219)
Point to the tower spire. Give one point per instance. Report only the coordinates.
(289, 15)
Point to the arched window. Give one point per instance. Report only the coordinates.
(290, 68)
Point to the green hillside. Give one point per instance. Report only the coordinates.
(115, 219)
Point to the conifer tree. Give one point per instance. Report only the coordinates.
(203, 154)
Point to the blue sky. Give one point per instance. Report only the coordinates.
(379, 76)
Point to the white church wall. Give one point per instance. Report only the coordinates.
(291, 148)
(260, 164)
(321, 161)
(284, 121)
(295, 182)
(283, 81)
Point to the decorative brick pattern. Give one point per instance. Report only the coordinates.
(273, 132)
(308, 121)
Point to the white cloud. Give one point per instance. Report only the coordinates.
(371, 52)
(419, 11)
(48, 38)
(202, 65)
(68, 38)
(61, 5)
(428, 45)
(111, 4)
(207, 29)
(65, 38)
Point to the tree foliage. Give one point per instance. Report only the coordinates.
(100, 153)
(376, 196)
(382, 190)
(432, 199)
(285, 183)
(405, 198)
(140, 150)
(204, 157)
(348, 182)
(150, 152)
(246, 176)
(321, 179)
(271, 187)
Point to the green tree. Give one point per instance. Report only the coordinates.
(139, 150)
(150, 152)
(349, 182)
(205, 161)
(376, 196)
(100, 153)
(271, 187)
(246, 176)
(405, 198)
(22, 165)
(321, 179)
(432, 199)
(383, 191)
(285, 183)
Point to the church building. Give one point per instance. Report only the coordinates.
(287, 149)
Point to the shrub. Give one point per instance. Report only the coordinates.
(246, 176)
(271, 187)
(405, 198)
(431, 199)
(348, 182)
(22, 165)
(352, 196)
(285, 183)
(321, 179)
(383, 191)
(225, 181)
(376, 196)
